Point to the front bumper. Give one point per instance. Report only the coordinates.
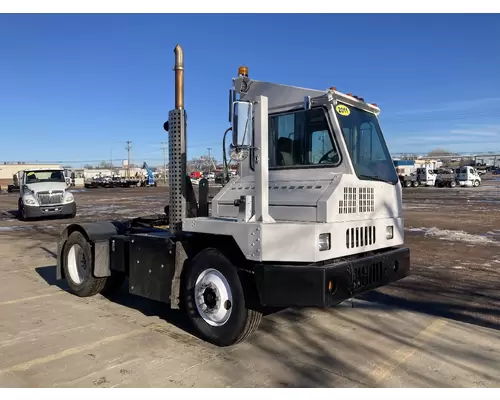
(330, 284)
(46, 211)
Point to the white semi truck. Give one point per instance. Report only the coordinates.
(43, 192)
(314, 216)
(425, 176)
(466, 176)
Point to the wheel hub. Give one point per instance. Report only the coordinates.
(210, 297)
(213, 297)
(77, 264)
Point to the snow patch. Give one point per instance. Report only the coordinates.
(13, 228)
(454, 236)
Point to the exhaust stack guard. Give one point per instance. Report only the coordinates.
(177, 150)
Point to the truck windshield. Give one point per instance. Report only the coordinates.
(44, 176)
(365, 142)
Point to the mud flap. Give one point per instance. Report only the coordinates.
(98, 234)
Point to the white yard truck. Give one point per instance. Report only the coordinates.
(313, 217)
(43, 193)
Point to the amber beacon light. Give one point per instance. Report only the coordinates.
(243, 71)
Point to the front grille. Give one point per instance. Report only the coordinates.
(359, 236)
(46, 198)
(367, 275)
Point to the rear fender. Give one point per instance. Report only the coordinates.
(98, 235)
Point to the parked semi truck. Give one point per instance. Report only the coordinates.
(463, 176)
(424, 176)
(311, 219)
(43, 193)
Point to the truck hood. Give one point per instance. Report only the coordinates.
(46, 186)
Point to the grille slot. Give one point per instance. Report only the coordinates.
(47, 199)
(359, 236)
(367, 275)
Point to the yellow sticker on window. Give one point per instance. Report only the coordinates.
(342, 110)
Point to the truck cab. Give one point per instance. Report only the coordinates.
(44, 192)
(468, 176)
(426, 176)
(329, 170)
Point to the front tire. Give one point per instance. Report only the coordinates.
(78, 267)
(21, 211)
(73, 214)
(220, 302)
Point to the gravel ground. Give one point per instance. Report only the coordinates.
(438, 327)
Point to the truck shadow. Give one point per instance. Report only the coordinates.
(311, 345)
(149, 308)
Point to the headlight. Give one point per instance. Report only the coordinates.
(68, 197)
(389, 232)
(324, 241)
(29, 199)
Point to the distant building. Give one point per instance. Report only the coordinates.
(404, 167)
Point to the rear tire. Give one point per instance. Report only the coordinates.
(220, 302)
(78, 267)
(407, 184)
(414, 183)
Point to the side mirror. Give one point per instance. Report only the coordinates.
(242, 127)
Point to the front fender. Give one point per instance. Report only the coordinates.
(98, 235)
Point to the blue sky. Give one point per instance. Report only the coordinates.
(76, 87)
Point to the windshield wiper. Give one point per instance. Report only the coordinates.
(374, 178)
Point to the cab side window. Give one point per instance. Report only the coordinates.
(301, 138)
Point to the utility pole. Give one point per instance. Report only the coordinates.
(209, 159)
(128, 147)
(164, 148)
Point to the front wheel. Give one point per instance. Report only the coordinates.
(21, 211)
(220, 302)
(476, 183)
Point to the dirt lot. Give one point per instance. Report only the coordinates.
(439, 327)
